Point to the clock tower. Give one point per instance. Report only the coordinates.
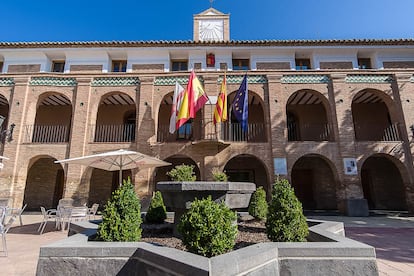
(211, 25)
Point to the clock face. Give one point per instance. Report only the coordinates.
(211, 30)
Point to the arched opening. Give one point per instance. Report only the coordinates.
(103, 183)
(247, 168)
(383, 184)
(116, 119)
(307, 117)
(44, 184)
(4, 115)
(381, 127)
(190, 131)
(175, 160)
(53, 119)
(315, 183)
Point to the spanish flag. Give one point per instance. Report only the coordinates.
(194, 99)
(220, 113)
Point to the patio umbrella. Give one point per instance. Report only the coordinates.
(117, 160)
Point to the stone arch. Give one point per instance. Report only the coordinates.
(44, 183)
(381, 127)
(308, 117)
(383, 179)
(315, 181)
(102, 183)
(115, 118)
(178, 159)
(248, 168)
(53, 120)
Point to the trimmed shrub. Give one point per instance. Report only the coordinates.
(285, 220)
(157, 212)
(121, 217)
(182, 173)
(258, 204)
(208, 228)
(219, 175)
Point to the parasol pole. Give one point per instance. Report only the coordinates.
(120, 172)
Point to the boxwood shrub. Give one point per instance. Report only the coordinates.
(208, 228)
(157, 212)
(258, 204)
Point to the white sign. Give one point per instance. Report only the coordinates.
(280, 166)
(350, 166)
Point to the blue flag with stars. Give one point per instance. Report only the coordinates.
(240, 104)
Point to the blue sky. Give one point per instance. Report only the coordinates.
(132, 20)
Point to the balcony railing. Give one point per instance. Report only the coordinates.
(371, 132)
(47, 134)
(231, 132)
(113, 133)
(309, 132)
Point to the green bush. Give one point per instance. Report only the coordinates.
(258, 204)
(157, 212)
(208, 228)
(219, 175)
(285, 220)
(121, 217)
(182, 173)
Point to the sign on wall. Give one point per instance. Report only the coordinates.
(350, 166)
(280, 166)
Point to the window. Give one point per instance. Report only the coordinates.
(240, 64)
(119, 65)
(58, 66)
(302, 64)
(179, 65)
(364, 63)
(1, 67)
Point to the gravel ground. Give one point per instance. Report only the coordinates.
(250, 232)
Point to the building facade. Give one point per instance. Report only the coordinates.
(335, 117)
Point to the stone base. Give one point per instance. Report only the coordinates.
(328, 252)
(355, 207)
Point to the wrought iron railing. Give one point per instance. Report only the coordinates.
(231, 132)
(47, 134)
(113, 133)
(371, 132)
(309, 132)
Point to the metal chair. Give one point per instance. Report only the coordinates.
(3, 231)
(48, 215)
(18, 212)
(78, 213)
(92, 211)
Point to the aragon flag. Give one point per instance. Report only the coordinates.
(240, 104)
(220, 112)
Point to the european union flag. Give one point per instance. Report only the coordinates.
(240, 104)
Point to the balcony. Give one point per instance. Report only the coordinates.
(122, 133)
(309, 132)
(47, 134)
(227, 132)
(371, 132)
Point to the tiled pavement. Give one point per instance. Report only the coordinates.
(393, 238)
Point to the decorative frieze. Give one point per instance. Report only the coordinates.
(305, 79)
(183, 80)
(6, 81)
(115, 81)
(366, 78)
(53, 81)
(252, 79)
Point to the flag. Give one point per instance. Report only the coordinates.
(176, 105)
(193, 99)
(196, 95)
(220, 113)
(240, 104)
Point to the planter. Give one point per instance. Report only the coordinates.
(177, 196)
(329, 253)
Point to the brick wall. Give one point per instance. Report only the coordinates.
(24, 68)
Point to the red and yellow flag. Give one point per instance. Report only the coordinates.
(194, 99)
(220, 112)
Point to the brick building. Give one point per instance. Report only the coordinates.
(336, 117)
